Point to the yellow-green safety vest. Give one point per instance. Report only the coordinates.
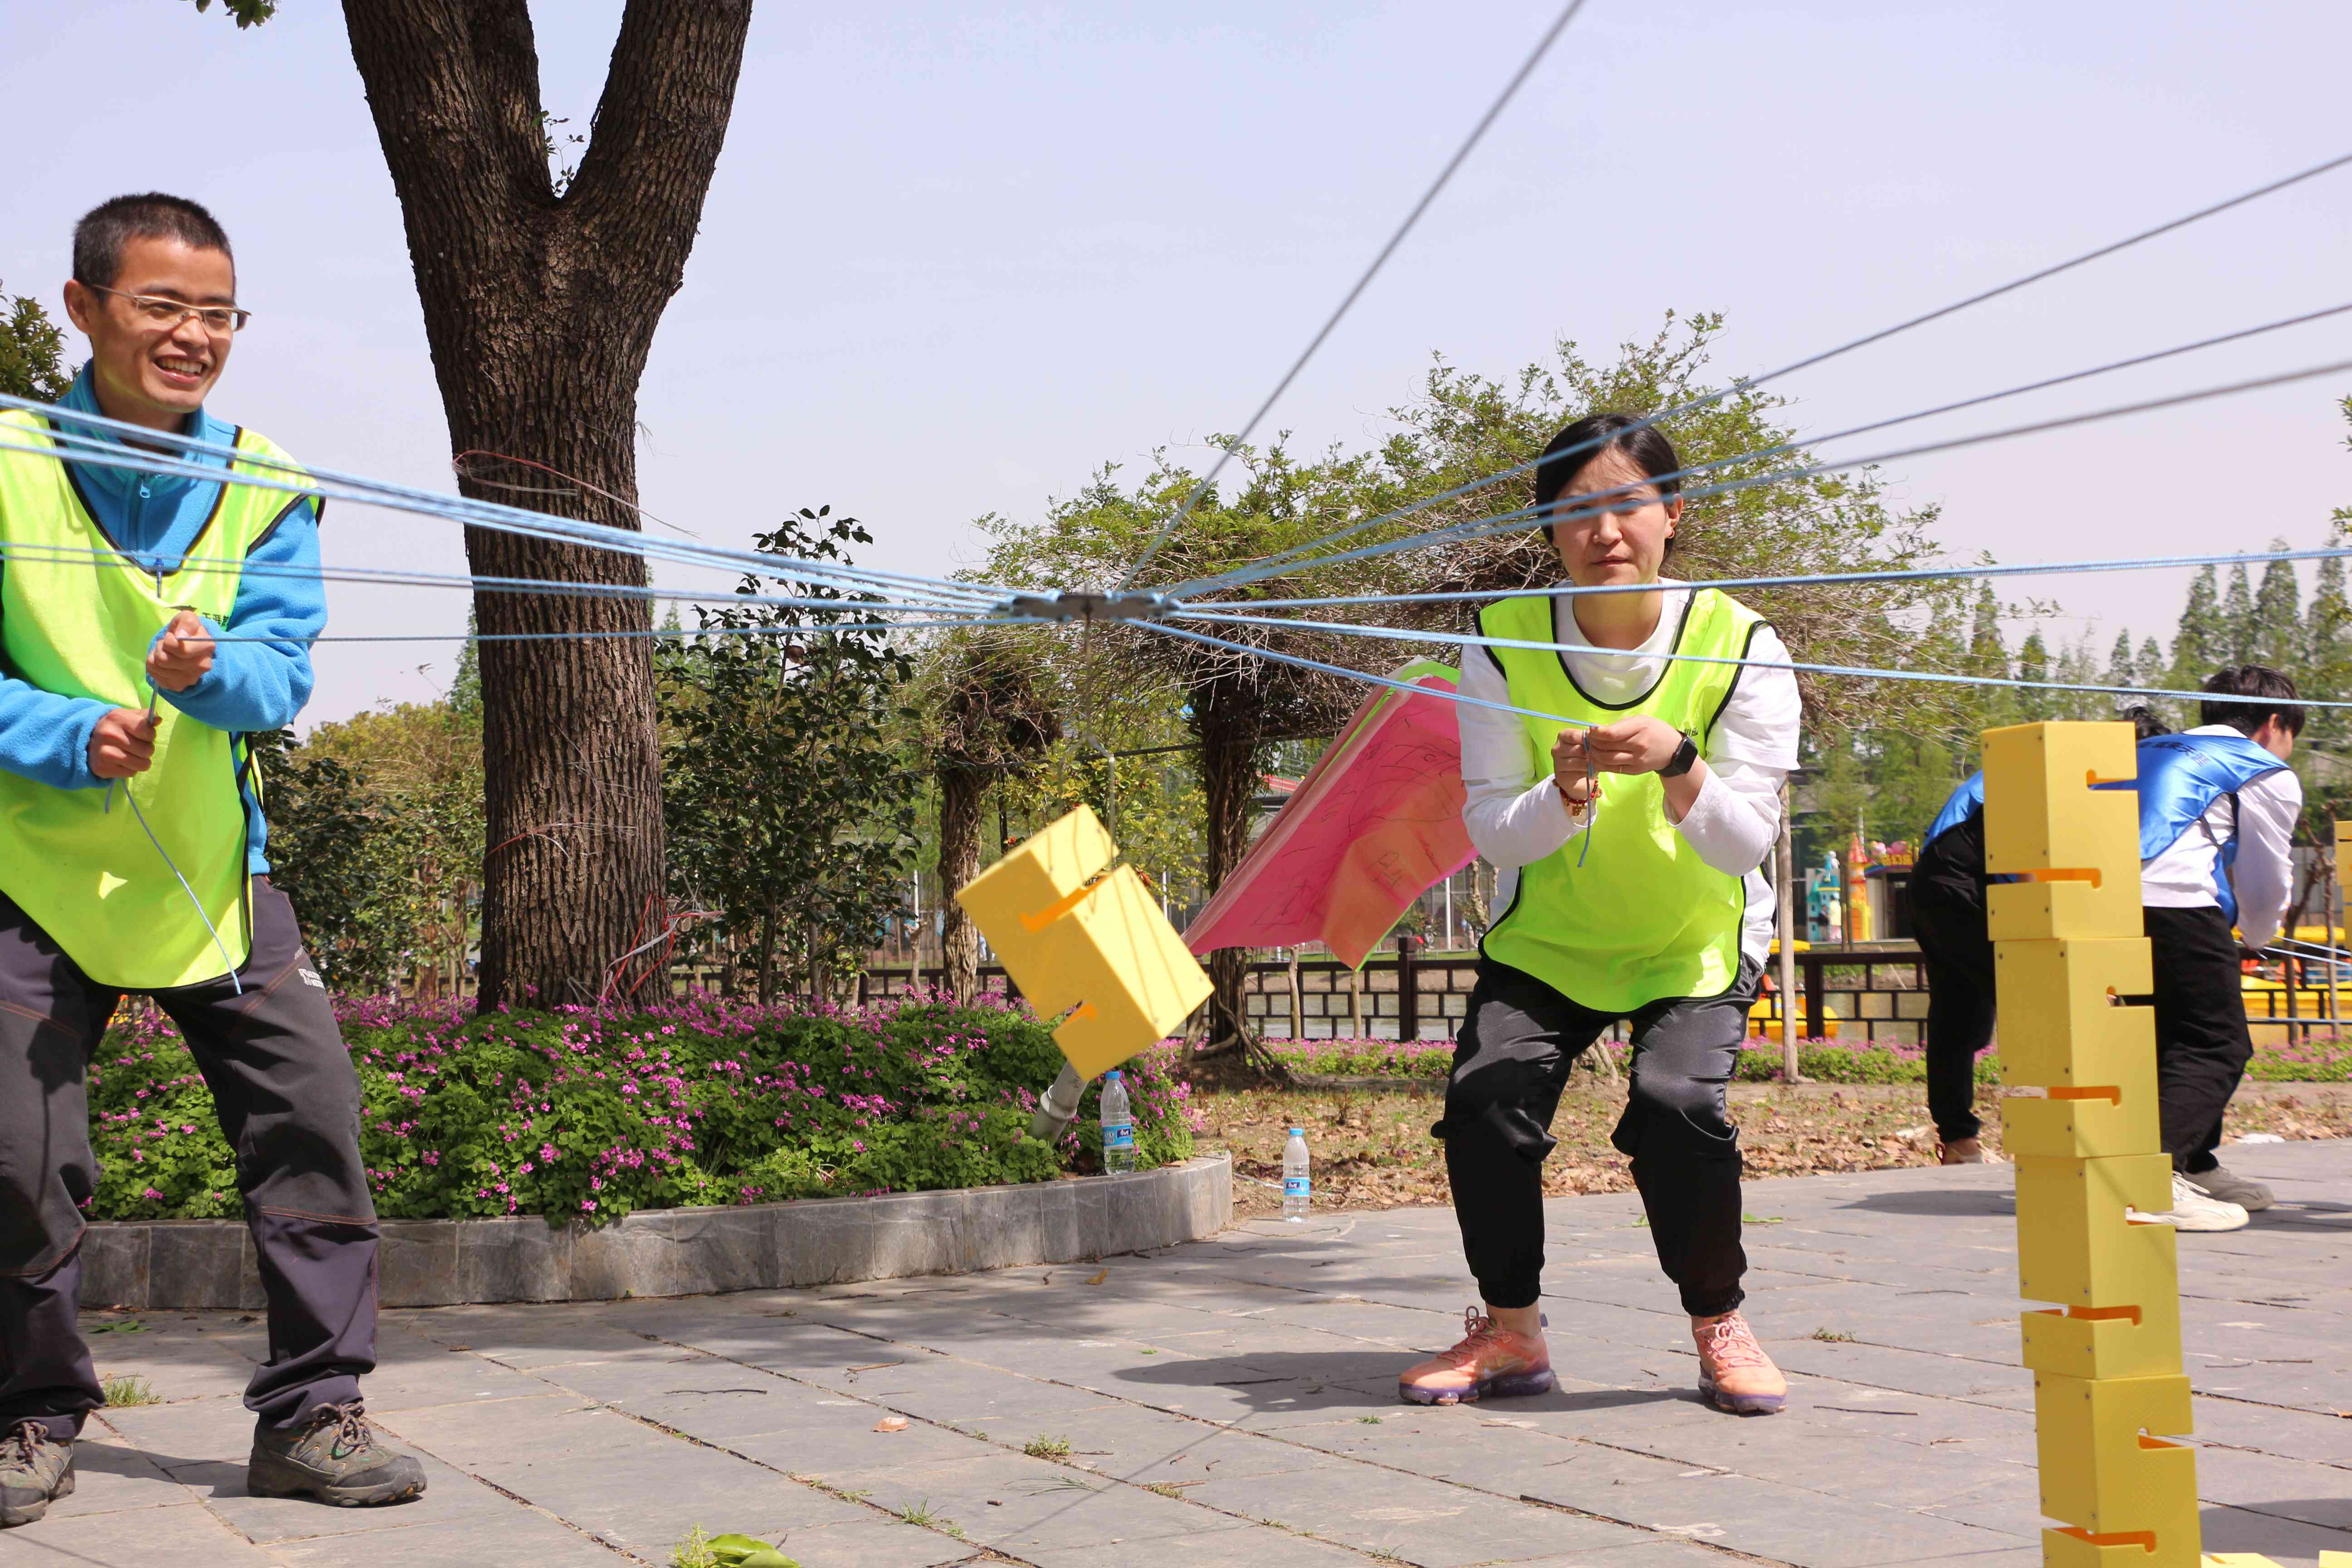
(1644, 918)
(77, 617)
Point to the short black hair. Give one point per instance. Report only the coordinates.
(2273, 692)
(1583, 443)
(99, 238)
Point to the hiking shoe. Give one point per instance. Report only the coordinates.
(2227, 1187)
(1490, 1359)
(335, 1458)
(2192, 1210)
(1734, 1373)
(35, 1471)
(1961, 1152)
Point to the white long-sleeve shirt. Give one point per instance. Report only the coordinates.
(1517, 818)
(2264, 874)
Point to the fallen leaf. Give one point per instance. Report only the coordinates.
(891, 1424)
(1099, 1278)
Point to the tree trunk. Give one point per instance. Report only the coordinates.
(962, 791)
(768, 957)
(541, 309)
(1228, 732)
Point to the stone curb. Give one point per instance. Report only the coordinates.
(209, 1263)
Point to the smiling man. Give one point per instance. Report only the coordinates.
(149, 626)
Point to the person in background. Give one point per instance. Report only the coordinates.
(2217, 810)
(1630, 800)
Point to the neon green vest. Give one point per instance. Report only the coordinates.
(76, 618)
(1644, 918)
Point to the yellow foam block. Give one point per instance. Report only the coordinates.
(2086, 1121)
(2141, 1340)
(2043, 820)
(2074, 1245)
(2111, 1122)
(2059, 1026)
(2101, 1471)
(2135, 1549)
(1073, 938)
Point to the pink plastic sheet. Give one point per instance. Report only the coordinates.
(1374, 825)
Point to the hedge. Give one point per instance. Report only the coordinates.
(577, 1114)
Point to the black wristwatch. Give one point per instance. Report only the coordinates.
(1680, 762)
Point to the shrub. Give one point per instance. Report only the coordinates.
(575, 1114)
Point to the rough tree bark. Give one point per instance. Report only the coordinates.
(1226, 721)
(962, 791)
(540, 308)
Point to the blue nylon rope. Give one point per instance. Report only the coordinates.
(403, 577)
(1879, 336)
(1299, 558)
(331, 484)
(1807, 580)
(193, 899)
(656, 632)
(1494, 111)
(1858, 671)
(1524, 517)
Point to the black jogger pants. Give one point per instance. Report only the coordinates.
(1510, 1065)
(289, 1102)
(2203, 1045)
(1949, 923)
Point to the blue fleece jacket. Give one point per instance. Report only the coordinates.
(252, 687)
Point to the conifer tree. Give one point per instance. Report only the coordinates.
(2198, 643)
(2277, 638)
(2327, 668)
(1989, 656)
(2238, 625)
(2078, 667)
(2033, 664)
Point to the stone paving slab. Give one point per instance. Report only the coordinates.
(1230, 1404)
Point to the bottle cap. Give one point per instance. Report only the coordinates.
(1111, 1077)
(1298, 1132)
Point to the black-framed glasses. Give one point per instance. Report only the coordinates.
(166, 314)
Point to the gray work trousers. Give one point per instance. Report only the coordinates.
(288, 1103)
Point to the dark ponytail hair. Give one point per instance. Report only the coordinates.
(1582, 444)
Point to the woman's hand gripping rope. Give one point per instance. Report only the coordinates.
(1571, 774)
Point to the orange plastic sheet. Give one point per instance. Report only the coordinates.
(1374, 825)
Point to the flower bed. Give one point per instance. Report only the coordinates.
(575, 1114)
(2326, 1060)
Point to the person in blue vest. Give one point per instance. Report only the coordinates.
(150, 626)
(2217, 808)
(1630, 798)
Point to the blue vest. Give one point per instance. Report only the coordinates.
(1966, 801)
(2180, 777)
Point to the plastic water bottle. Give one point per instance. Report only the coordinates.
(1117, 1125)
(1295, 1186)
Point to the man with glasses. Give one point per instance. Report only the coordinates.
(149, 624)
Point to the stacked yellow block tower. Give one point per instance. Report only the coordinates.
(2068, 941)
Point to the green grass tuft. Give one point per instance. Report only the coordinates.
(125, 1389)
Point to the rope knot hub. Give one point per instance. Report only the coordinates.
(1086, 604)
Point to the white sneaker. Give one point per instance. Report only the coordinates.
(2192, 1210)
(2225, 1187)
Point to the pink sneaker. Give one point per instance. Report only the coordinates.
(1490, 1359)
(1734, 1373)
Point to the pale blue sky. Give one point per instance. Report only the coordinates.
(957, 256)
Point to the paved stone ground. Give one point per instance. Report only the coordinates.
(1232, 1402)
